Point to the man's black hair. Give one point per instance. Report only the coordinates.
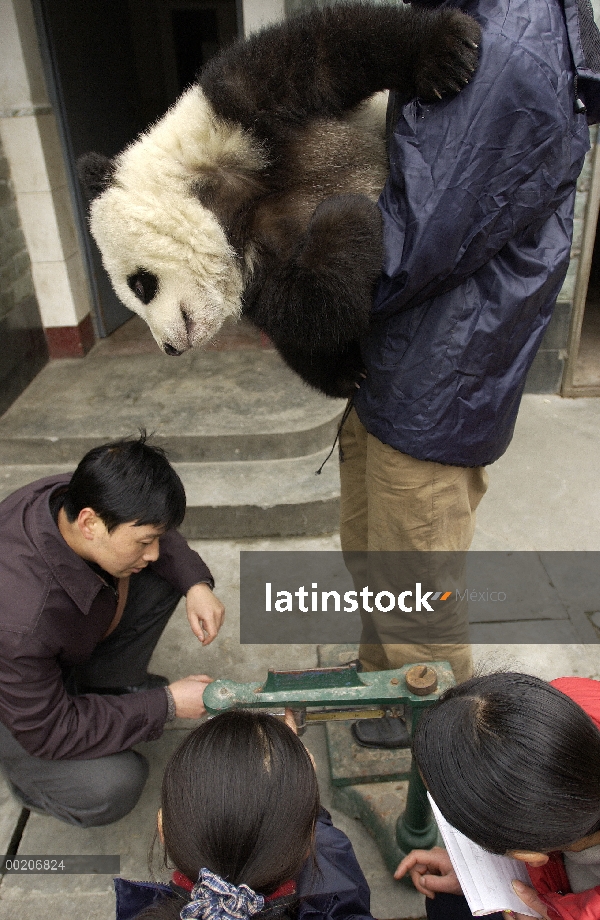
(127, 481)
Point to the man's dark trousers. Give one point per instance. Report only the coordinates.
(93, 792)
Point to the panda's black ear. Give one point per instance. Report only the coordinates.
(95, 173)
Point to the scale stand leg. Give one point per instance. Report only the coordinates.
(416, 828)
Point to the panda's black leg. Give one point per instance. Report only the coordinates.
(335, 374)
(321, 296)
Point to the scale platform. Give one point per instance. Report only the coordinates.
(369, 784)
(349, 762)
(382, 788)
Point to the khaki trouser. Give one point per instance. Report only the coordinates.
(391, 502)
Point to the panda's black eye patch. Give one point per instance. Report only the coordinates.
(143, 284)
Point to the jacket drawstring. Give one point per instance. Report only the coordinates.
(343, 420)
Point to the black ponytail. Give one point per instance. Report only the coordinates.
(240, 798)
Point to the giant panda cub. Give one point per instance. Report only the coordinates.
(256, 192)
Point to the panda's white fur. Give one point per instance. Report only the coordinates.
(148, 217)
(258, 189)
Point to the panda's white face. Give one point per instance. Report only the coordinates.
(179, 312)
(171, 266)
(167, 255)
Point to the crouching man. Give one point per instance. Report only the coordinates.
(91, 569)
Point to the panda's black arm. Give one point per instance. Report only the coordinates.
(319, 297)
(326, 61)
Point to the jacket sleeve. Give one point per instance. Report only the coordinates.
(582, 906)
(470, 174)
(552, 885)
(179, 564)
(339, 889)
(50, 723)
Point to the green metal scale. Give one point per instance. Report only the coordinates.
(336, 695)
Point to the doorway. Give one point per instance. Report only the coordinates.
(114, 67)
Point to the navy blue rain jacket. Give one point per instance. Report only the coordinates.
(477, 216)
(339, 891)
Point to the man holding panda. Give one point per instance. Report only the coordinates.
(478, 221)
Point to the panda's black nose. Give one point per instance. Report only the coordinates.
(169, 350)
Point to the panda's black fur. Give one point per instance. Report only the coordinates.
(286, 188)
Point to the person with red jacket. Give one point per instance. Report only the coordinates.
(513, 763)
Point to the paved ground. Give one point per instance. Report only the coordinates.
(543, 496)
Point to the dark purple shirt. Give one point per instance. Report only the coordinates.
(54, 610)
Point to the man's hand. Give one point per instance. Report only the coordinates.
(205, 613)
(188, 693)
(529, 897)
(430, 871)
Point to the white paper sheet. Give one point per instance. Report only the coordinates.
(485, 878)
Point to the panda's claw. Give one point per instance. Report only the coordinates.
(448, 56)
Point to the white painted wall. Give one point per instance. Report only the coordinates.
(32, 147)
(259, 13)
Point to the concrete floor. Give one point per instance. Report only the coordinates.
(543, 496)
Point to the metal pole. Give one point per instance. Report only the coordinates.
(416, 828)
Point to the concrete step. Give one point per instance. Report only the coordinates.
(203, 406)
(243, 431)
(237, 499)
(258, 498)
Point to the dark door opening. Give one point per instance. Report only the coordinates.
(196, 39)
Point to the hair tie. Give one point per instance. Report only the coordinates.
(213, 898)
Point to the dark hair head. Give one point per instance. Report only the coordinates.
(512, 763)
(240, 797)
(127, 481)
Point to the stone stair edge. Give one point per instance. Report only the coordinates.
(297, 519)
(245, 499)
(265, 445)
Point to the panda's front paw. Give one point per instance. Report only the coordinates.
(344, 373)
(344, 386)
(448, 57)
(334, 373)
